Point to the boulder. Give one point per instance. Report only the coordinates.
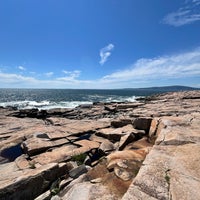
(121, 122)
(64, 153)
(142, 123)
(87, 144)
(114, 134)
(87, 190)
(106, 147)
(58, 154)
(126, 139)
(24, 182)
(126, 163)
(139, 144)
(35, 145)
(171, 169)
(76, 172)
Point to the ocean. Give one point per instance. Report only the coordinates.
(69, 98)
(62, 98)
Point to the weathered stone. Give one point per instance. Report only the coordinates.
(76, 172)
(142, 143)
(170, 122)
(24, 181)
(65, 182)
(153, 129)
(126, 139)
(142, 123)
(106, 146)
(123, 173)
(87, 190)
(80, 179)
(36, 145)
(59, 154)
(55, 197)
(114, 134)
(129, 105)
(121, 122)
(171, 169)
(22, 162)
(45, 196)
(87, 144)
(126, 163)
(96, 180)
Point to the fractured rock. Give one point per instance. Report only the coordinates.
(106, 146)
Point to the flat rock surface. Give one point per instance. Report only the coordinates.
(150, 150)
(171, 169)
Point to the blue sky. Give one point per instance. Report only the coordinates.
(99, 43)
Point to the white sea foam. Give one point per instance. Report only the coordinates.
(46, 105)
(43, 105)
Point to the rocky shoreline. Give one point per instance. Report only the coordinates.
(147, 149)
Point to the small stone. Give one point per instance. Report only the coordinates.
(123, 174)
(97, 180)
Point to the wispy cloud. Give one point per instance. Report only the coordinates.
(21, 68)
(105, 53)
(70, 75)
(144, 72)
(49, 74)
(187, 14)
(175, 66)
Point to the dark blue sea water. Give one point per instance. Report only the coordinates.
(67, 98)
(62, 98)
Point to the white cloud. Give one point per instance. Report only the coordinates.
(6, 78)
(144, 72)
(189, 13)
(48, 74)
(21, 68)
(105, 53)
(71, 75)
(175, 66)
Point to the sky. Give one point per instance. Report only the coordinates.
(99, 44)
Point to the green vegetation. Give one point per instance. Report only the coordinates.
(55, 188)
(55, 191)
(167, 178)
(79, 159)
(32, 165)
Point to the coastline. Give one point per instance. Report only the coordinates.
(130, 149)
